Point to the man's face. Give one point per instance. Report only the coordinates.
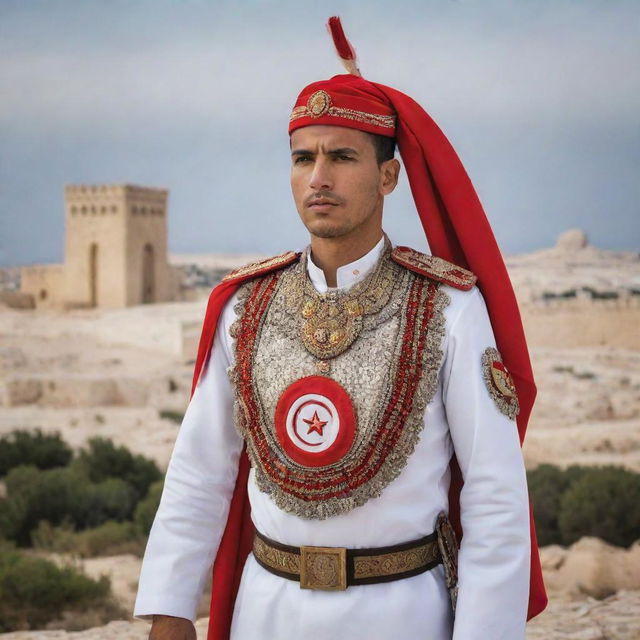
(337, 184)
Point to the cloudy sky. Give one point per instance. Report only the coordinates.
(540, 98)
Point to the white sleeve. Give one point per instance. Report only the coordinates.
(197, 493)
(494, 560)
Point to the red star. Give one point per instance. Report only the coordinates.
(315, 424)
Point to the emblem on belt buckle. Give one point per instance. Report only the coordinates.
(323, 568)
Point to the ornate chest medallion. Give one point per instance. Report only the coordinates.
(321, 445)
(315, 421)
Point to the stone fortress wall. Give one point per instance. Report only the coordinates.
(591, 325)
(581, 317)
(576, 295)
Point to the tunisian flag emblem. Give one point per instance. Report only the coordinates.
(315, 421)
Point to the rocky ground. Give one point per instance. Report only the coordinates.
(615, 618)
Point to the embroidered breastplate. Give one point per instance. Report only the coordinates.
(330, 389)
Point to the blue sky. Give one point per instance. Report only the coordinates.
(540, 98)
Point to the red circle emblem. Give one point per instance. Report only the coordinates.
(315, 421)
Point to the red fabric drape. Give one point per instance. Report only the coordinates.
(237, 538)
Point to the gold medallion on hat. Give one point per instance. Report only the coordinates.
(318, 104)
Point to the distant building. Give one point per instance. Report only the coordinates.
(115, 251)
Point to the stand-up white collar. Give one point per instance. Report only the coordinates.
(348, 274)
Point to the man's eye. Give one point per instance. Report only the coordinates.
(345, 158)
(301, 159)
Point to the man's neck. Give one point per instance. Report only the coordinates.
(329, 254)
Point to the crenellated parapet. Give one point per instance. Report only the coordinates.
(92, 200)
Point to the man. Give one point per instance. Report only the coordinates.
(353, 372)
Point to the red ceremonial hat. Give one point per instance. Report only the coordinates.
(451, 214)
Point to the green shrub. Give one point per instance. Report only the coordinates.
(109, 539)
(34, 591)
(585, 501)
(103, 460)
(170, 414)
(547, 485)
(146, 509)
(44, 451)
(60, 495)
(604, 502)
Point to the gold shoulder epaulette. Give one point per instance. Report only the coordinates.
(263, 266)
(434, 268)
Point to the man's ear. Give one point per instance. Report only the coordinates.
(389, 172)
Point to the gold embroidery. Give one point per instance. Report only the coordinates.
(326, 567)
(390, 372)
(448, 545)
(387, 122)
(330, 322)
(434, 267)
(387, 564)
(276, 558)
(499, 383)
(262, 266)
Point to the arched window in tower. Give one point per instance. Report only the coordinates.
(93, 274)
(148, 274)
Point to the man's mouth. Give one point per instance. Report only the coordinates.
(319, 204)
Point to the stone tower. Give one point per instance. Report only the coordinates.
(115, 245)
(115, 251)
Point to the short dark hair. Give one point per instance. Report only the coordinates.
(384, 146)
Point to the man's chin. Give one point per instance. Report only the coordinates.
(323, 230)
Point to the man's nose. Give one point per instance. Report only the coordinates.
(320, 178)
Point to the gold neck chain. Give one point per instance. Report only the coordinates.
(330, 322)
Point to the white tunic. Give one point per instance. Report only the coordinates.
(462, 417)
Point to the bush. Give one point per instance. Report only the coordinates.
(103, 460)
(44, 451)
(585, 501)
(34, 591)
(170, 414)
(109, 539)
(547, 485)
(146, 510)
(604, 502)
(60, 495)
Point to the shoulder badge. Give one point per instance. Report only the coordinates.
(499, 383)
(263, 266)
(434, 268)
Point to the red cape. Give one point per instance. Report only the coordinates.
(237, 538)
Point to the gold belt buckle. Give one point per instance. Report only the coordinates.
(323, 568)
